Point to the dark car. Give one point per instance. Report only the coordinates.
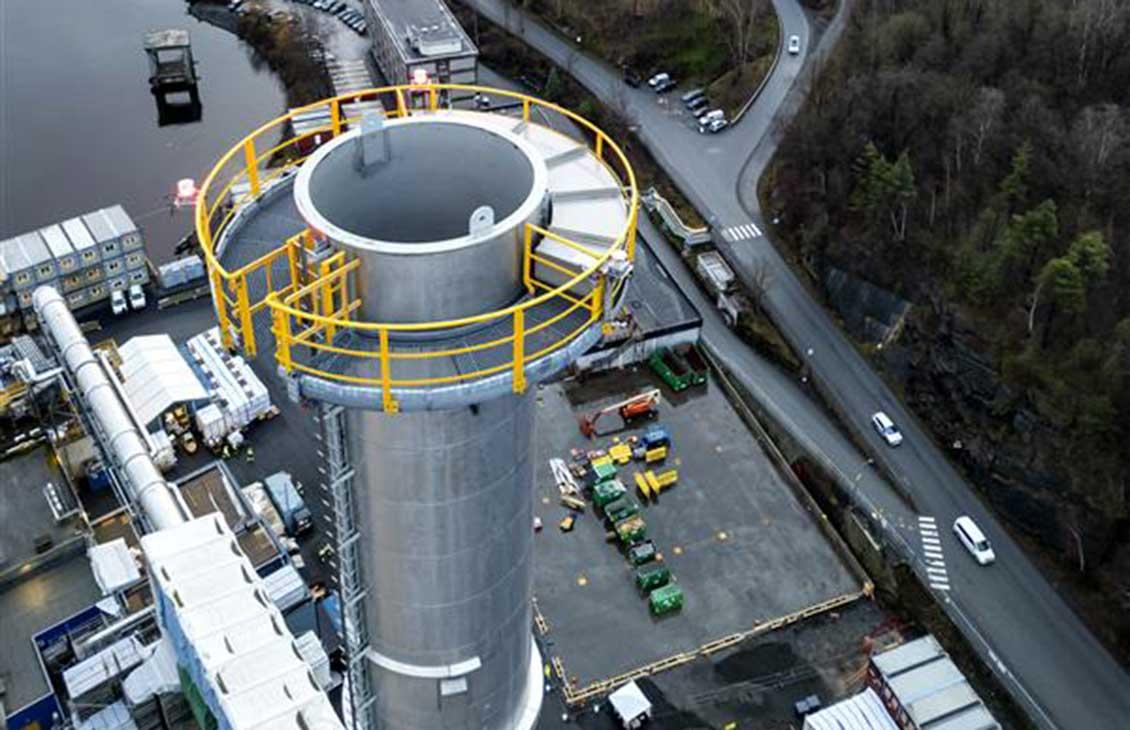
(632, 77)
(664, 86)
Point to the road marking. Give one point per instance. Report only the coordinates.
(741, 232)
(933, 557)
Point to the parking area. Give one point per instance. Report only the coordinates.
(737, 541)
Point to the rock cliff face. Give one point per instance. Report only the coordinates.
(1018, 461)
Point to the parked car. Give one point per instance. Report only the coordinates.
(969, 535)
(659, 78)
(886, 428)
(118, 304)
(713, 126)
(699, 106)
(794, 44)
(693, 96)
(664, 86)
(136, 297)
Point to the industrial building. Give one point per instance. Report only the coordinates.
(419, 41)
(87, 258)
(146, 604)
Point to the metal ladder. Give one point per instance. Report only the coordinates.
(339, 488)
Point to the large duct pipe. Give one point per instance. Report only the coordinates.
(143, 480)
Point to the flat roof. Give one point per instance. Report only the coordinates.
(209, 490)
(931, 688)
(29, 605)
(22, 504)
(737, 540)
(430, 20)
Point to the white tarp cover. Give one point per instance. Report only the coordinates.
(630, 704)
(111, 717)
(864, 711)
(156, 376)
(156, 675)
(108, 664)
(113, 566)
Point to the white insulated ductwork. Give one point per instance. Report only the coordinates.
(146, 486)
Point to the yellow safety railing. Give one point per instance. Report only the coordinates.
(310, 304)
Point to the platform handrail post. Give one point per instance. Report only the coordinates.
(387, 401)
(335, 117)
(282, 333)
(219, 296)
(519, 351)
(246, 329)
(251, 165)
(527, 260)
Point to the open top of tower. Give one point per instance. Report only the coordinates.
(432, 258)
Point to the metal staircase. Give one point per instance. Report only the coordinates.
(339, 489)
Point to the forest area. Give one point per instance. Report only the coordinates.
(973, 156)
(727, 45)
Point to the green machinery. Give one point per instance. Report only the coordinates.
(607, 492)
(681, 367)
(641, 553)
(621, 509)
(651, 577)
(631, 530)
(665, 599)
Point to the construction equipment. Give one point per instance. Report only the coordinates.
(620, 453)
(638, 407)
(607, 492)
(665, 599)
(652, 577)
(653, 455)
(573, 502)
(621, 509)
(655, 437)
(651, 484)
(603, 471)
(631, 530)
(679, 368)
(642, 553)
(566, 484)
(566, 524)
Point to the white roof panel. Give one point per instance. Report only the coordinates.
(156, 377)
(864, 711)
(255, 675)
(113, 566)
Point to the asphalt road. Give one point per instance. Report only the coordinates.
(1038, 646)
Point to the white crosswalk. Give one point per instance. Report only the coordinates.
(932, 552)
(742, 232)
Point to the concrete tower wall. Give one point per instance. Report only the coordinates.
(446, 516)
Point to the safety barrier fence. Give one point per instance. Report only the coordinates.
(312, 301)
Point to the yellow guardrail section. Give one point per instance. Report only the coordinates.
(312, 303)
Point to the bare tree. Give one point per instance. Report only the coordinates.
(1098, 132)
(760, 281)
(741, 17)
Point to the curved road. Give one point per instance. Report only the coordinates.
(1009, 612)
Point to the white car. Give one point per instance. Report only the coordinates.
(886, 428)
(794, 44)
(658, 79)
(118, 304)
(969, 535)
(714, 126)
(136, 297)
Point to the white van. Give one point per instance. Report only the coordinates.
(136, 297)
(969, 535)
(118, 304)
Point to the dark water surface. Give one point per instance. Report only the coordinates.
(79, 128)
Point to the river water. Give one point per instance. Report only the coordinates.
(79, 128)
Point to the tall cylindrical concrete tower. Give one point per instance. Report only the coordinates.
(484, 255)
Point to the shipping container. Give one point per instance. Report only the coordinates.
(292, 509)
